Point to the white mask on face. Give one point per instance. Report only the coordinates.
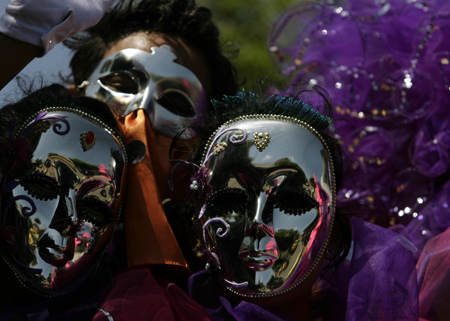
(132, 79)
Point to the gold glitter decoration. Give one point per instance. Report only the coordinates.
(219, 147)
(261, 140)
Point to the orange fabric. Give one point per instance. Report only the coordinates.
(149, 237)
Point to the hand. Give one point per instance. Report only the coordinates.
(45, 23)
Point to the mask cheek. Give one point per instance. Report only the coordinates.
(29, 208)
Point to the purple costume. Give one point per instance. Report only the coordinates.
(385, 67)
(385, 64)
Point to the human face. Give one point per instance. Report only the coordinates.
(65, 200)
(273, 199)
(159, 74)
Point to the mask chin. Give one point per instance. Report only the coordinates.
(302, 291)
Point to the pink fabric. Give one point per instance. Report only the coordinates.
(434, 276)
(137, 295)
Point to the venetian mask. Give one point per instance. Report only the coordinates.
(64, 199)
(131, 79)
(269, 204)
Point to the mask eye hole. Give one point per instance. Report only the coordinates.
(93, 210)
(177, 103)
(228, 200)
(294, 202)
(102, 190)
(41, 187)
(122, 82)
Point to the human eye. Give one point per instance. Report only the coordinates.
(228, 200)
(122, 82)
(93, 210)
(294, 202)
(41, 186)
(177, 103)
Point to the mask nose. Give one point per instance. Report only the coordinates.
(260, 236)
(57, 244)
(66, 215)
(263, 211)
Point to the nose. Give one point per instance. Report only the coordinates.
(263, 211)
(65, 216)
(260, 236)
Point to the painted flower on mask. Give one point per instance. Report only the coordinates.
(200, 183)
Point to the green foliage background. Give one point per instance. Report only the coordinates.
(244, 25)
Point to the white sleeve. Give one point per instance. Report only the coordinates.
(45, 23)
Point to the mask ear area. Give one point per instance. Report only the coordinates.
(136, 151)
(329, 254)
(335, 246)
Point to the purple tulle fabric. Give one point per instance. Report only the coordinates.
(386, 67)
(377, 281)
(433, 219)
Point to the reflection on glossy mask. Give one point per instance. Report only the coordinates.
(269, 218)
(131, 79)
(66, 200)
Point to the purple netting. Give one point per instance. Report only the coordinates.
(386, 66)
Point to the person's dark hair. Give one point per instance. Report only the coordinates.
(53, 96)
(318, 117)
(181, 18)
(18, 112)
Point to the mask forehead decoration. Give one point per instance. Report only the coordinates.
(132, 79)
(268, 188)
(60, 196)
